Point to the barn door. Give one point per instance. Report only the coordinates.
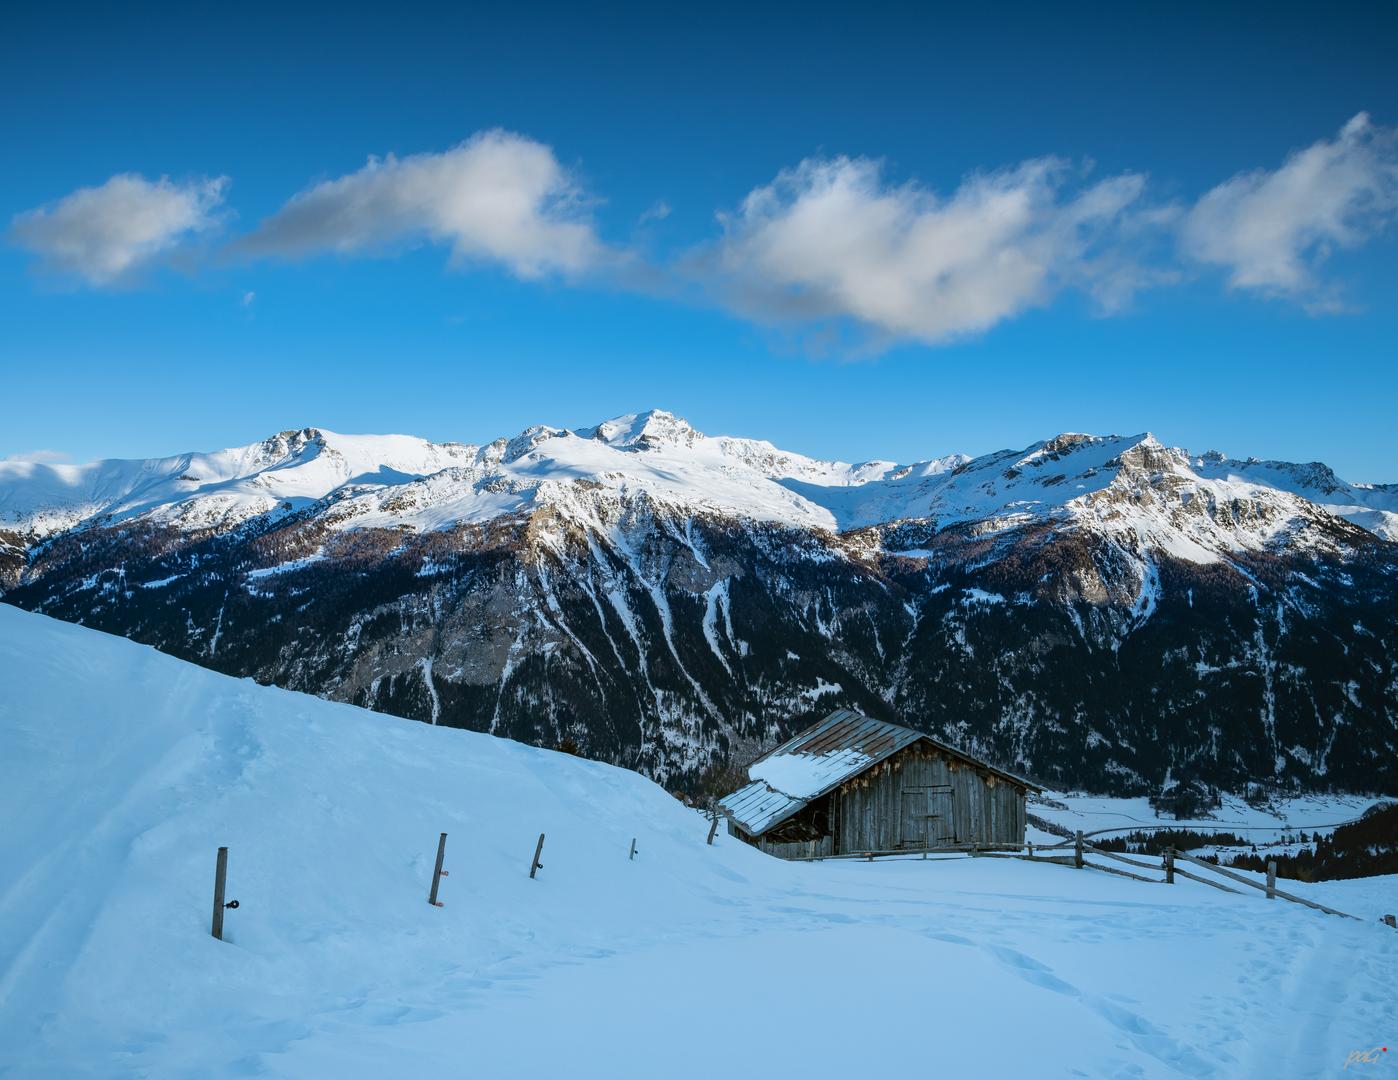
(913, 825)
(940, 828)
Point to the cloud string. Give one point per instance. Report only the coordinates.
(826, 242)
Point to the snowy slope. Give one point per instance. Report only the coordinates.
(1372, 506)
(122, 769)
(387, 481)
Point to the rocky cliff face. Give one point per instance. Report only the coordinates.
(1098, 612)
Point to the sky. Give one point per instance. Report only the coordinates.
(883, 232)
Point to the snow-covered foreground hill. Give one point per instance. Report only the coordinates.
(122, 770)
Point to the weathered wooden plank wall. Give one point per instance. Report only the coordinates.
(798, 849)
(868, 811)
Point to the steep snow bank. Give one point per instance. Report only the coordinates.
(121, 771)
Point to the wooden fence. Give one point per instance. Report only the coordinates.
(1079, 859)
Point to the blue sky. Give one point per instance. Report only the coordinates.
(889, 232)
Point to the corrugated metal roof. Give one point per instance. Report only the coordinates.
(829, 752)
(844, 729)
(758, 807)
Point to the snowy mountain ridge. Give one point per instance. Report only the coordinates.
(1095, 611)
(398, 480)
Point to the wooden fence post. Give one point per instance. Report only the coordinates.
(1169, 866)
(220, 880)
(1271, 879)
(713, 827)
(1077, 850)
(536, 865)
(633, 848)
(438, 873)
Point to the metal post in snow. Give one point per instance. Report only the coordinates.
(633, 848)
(220, 880)
(438, 873)
(536, 865)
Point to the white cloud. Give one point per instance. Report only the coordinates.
(498, 197)
(39, 457)
(831, 240)
(1271, 228)
(104, 234)
(657, 211)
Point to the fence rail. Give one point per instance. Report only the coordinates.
(1118, 857)
(1270, 890)
(1169, 864)
(1205, 881)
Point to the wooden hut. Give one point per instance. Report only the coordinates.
(853, 785)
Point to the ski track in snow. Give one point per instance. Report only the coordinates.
(121, 770)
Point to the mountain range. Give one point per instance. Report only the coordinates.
(1101, 612)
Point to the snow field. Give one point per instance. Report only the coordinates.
(1263, 825)
(122, 770)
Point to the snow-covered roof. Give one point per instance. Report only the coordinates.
(757, 807)
(819, 759)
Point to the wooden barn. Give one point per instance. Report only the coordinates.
(853, 785)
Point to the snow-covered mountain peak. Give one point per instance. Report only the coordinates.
(288, 444)
(392, 481)
(1075, 451)
(1068, 440)
(1147, 455)
(644, 430)
(526, 442)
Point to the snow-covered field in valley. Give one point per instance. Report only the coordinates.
(1268, 826)
(122, 770)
